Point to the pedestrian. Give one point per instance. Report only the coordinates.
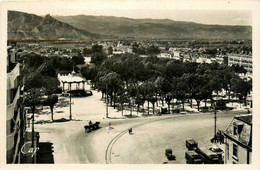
(129, 131)
(109, 124)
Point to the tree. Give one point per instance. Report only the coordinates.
(97, 49)
(181, 91)
(66, 65)
(122, 99)
(87, 51)
(163, 86)
(114, 84)
(110, 50)
(89, 73)
(98, 58)
(238, 69)
(33, 60)
(241, 87)
(149, 91)
(78, 59)
(32, 99)
(51, 101)
(46, 69)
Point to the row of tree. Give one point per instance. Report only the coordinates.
(129, 76)
(40, 75)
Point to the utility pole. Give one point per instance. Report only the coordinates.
(33, 110)
(215, 126)
(70, 102)
(214, 139)
(106, 103)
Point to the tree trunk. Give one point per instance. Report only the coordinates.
(148, 107)
(162, 102)
(51, 107)
(169, 106)
(114, 99)
(191, 103)
(183, 102)
(153, 107)
(205, 102)
(211, 100)
(198, 104)
(172, 107)
(122, 107)
(110, 100)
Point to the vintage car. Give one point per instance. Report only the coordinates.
(169, 155)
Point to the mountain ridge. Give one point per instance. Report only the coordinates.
(155, 28)
(24, 26)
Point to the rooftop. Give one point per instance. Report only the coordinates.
(245, 118)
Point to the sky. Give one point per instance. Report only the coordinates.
(205, 12)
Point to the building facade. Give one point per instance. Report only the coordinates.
(241, 60)
(238, 140)
(14, 111)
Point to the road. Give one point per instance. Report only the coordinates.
(145, 146)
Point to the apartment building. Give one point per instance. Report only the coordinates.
(14, 108)
(241, 60)
(238, 140)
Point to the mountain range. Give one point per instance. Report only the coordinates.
(84, 27)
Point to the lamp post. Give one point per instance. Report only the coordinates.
(106, 103)
(215, 124)
(33, 110)
(131, 106)
(70, 101)
(70, 106)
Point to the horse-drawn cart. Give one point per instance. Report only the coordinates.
(91, 127)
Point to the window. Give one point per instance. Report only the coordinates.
(235, 150)
(235, 130)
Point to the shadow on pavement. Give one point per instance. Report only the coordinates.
(44, 155)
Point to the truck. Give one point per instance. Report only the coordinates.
(196, 155)
(208, 157)
(192, 157)
(191, 144)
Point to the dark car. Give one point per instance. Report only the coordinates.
(169, 155)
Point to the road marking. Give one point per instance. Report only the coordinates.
(113, 141)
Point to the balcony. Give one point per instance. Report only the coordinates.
(12, 80)
(11, 108)
(10, 141)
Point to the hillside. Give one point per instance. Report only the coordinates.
(155, 28)
(22, 26)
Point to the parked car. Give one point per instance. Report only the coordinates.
(169, 155)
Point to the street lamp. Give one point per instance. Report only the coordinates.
(70, 106)
(106, 103)
(214, 139)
